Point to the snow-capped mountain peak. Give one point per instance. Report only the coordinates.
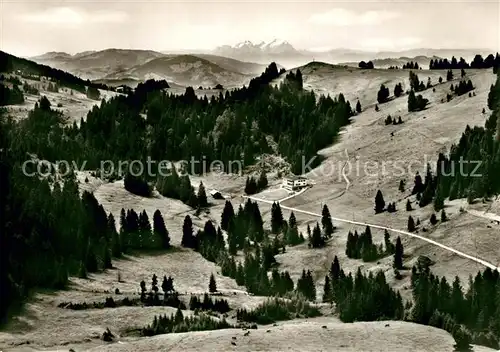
(276, 46)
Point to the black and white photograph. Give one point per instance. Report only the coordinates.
(249, 175)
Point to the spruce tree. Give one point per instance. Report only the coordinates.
(379, 202)
(187, 233)
(433, 220)
(326, 222)
(160, 230)
(444, 218)
(276, 218)
(411, 224)
(227, 215)
(401, 185)
(327, 297)
(202, 196)
(212, 286)
(358, 107)
(408, 205)
(398, 254)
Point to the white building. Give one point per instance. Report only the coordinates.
(295, 182)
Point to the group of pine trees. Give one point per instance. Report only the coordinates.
(366, 65)
(318, 236)
(358, 298)
(136, 232)
(478, 62)
(178, 323)
(227, 128)
(253, 186)
(411, 65)
(462, 88)
(393, 121)
(416, 103)
(445, 305)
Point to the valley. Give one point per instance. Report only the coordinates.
(461, 246)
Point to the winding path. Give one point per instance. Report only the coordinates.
(457, 252)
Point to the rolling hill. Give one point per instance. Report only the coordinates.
(186, 70)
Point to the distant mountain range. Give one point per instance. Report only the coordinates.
(116, 66)
(227, 65)
(284, 53)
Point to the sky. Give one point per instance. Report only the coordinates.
(30, 28)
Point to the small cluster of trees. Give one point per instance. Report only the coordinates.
(362, 247)
(306, 285)
(177, 323)
(253, 186)
(137, 185)
(276, 309)
(462, 88)
(415, 84)
(180, 187)
(295, 79)
(393, 121)
(478, 62)
(217, 305)
(416, 103)
(319, 236)
(411, 65)
(29, 89)
(398, 90)
(357, 298)
(365, 65)
(383, 94)
(136, 232)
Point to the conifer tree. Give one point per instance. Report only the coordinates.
(276, 218)
(358, 107)
(227, 215)
(408, 205)
(212, 286)
(398, 254)
(327, 290)
(187, 233)
(202, 196)
(433, 220)
(160, 230)
(411, 224)
(379, 202)
(444, 218)
(401, 185)
(326, 222)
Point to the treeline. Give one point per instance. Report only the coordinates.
(472, 317)
(11, 63)
(47, 230)
(178, 323)
(478, 62)
(468, 171)
(228, 128)
(10, 96)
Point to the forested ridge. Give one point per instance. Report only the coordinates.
(50, 232)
